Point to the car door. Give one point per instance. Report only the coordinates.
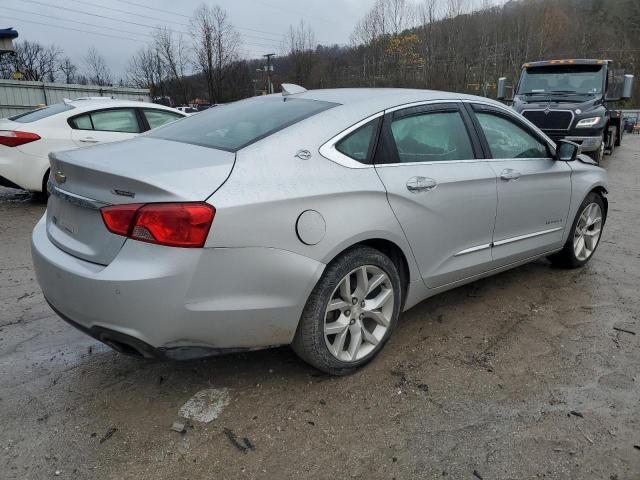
(104, 126)
(534, 190)
(440, 188)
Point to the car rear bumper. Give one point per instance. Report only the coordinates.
(165, 302)
(17, 169)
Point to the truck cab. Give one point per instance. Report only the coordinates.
(571, 100)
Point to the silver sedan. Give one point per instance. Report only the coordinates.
(310, 219)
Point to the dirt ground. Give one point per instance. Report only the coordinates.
(520, 376)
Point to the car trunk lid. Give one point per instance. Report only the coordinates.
(142, 170)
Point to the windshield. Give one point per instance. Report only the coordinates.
(236, 125)
(41, 113)
(580, 79)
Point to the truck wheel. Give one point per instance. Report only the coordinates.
(611, 141)
(597, 155)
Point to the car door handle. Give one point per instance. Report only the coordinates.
(421, 184)
(510, 174)
(88, 140)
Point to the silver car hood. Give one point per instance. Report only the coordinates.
(142, 170)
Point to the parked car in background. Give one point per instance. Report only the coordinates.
(629, 124)
(311, 219)
(27, 139)
(187, 110)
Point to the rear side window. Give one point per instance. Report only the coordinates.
(357, 145)
(236, 125)
(432, 137)
(157, 118)
(41, 113)
(123, 120)
(83, 122)
(117, 120)
(508, 140)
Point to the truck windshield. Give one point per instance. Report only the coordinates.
(579, 79)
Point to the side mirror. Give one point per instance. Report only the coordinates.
(502, 87)
(627, 87)
(567, 151)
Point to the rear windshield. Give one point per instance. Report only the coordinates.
(236, 125)
(41, 113)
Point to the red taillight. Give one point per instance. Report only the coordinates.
(171, 224)
(13, 138)
(118, 218)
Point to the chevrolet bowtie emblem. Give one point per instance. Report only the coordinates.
(60, 177)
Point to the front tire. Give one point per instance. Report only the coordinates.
(598, 154)
(585, 234)
(351, 312)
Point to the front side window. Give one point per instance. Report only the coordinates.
(508, 140)
(121, 120)
(234, 126)
(432, 137)
(157, 118)
(357, 144)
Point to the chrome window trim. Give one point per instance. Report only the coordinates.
(506, 241)
(75, 198)
(329, 151)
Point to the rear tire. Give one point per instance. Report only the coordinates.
(585, 235)
(43, 196)
(350, 313)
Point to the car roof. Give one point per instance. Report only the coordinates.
(96, 103)
(384, 98)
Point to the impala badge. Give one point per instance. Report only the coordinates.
(60, 177)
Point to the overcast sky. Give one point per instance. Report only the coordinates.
(262, 23)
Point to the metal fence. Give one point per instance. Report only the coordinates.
(18, 96)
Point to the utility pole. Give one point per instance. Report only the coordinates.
(269, 70)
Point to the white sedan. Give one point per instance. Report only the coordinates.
(26, 139)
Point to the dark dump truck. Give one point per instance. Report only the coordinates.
(572, 100)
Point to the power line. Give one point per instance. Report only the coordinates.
(76, 21)
(171, 12)
(146, 25)
(119, 10)
(74, 29)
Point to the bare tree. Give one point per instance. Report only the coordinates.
(97, 69)
(68, 70)
(146, 70)
(215, 44)
(300, 43)
(174, 55)
(33, 60)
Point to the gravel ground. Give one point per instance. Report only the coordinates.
(519, 376)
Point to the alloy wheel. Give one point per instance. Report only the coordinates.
(359, 313)
(587, 232)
